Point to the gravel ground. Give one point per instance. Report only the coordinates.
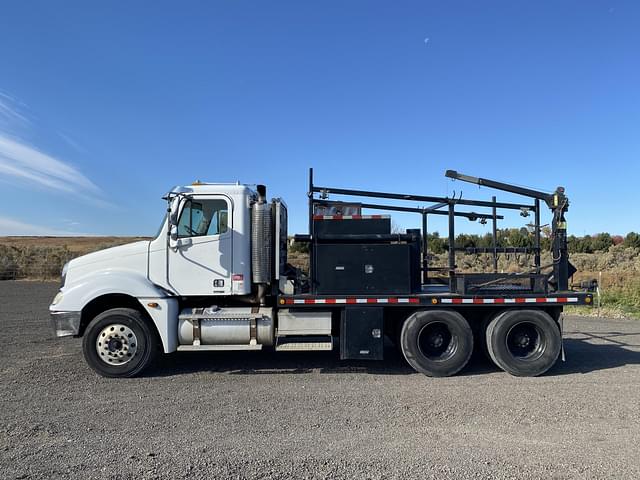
(293, 415)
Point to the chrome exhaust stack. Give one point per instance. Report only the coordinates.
(261, 243)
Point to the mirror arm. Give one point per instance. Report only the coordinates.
(173, 204)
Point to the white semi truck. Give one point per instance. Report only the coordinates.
(216, 278)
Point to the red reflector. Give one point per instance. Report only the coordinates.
(478, 300)
(330, 300)
(372, 300)
(289, 301)
(520, 300)
(414, 300)
(562, 299)
(351, 300)
(541, 300)
(498, 300)
(237, 277)
(393, 300)
(309, 300)
(457, 300)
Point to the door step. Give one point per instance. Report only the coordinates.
(216, 348)
(302, 344)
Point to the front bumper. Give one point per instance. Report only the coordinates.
(65, 324)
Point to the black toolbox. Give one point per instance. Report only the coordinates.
(367, 269)
(351, 225)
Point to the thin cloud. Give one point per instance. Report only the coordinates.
(12, 111)
(11, 227)
(72, 143)
(21, 160)
(28, 163)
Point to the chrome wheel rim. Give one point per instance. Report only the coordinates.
(116, 344)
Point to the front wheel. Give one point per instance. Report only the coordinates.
(119, 343)
(437, 343)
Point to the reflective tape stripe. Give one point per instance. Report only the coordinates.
(456, 301)
(349, 217)
(511, 300)
(348, 300)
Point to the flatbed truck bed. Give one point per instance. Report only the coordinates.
(440, 299)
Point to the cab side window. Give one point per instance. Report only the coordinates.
(203, 217)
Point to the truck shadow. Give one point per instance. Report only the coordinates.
(278, 363)
(598, 351)
(612, 350)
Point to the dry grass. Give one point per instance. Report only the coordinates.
(80, 245)
(43, 257)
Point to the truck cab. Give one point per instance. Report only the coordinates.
(205, 252)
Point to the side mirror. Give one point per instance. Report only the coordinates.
(173, 236)
(173, 211)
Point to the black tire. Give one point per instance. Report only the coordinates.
(524, 343)
(481, 339)
(437, 343)
(119, 362)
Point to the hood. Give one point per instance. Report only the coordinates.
(114, 256)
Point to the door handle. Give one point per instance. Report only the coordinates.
(184, 242)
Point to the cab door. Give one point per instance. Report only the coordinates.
(200, 260)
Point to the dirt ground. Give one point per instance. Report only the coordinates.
(295, 415)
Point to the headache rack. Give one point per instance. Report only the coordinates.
(551, 278)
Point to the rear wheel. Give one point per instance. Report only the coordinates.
(437, 343)
(119, 343)
(524, 343)
(481, 339)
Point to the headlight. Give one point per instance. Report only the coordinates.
(57, 298)
(64, 273)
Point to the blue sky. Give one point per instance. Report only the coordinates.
(106, 105)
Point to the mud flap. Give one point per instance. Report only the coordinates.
(561, 320)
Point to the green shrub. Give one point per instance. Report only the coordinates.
(632, 240)
(299, 247)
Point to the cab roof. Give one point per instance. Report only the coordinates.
(205, 188)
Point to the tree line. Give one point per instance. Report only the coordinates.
(520, 237)
(523, 237)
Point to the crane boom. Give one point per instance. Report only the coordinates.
(548, 198)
